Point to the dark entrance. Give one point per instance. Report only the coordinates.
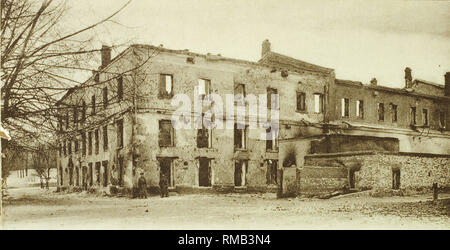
(240, 172)
(84, 177)
(271, 174)
(105, 173)
(165, 165)
(351, 178)
(204, 172)
(91, 175)
(121, 171)
(395, 178)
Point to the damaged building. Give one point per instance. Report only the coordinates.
(117, 125)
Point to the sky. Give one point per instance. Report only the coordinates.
(359, 39)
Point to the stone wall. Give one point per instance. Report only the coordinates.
(373, 170)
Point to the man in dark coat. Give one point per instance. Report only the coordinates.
(164, 185)
(142, 187)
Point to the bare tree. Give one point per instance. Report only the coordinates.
(38, 57)
(43, 160)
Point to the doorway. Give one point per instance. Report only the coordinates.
(396, 179)
(204, 172)
(105, 173)
(240, 173)
(351, 178)
(166, 168)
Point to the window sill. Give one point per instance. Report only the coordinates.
(301, 111)
(272, 150)
(241, 149)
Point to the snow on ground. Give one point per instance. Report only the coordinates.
(33, 208)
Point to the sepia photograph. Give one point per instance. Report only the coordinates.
(235, 115)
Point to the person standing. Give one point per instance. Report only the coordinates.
(164, 185)
(142, 187)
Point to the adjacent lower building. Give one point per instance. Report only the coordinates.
(119, 123)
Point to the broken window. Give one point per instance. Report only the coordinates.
(272, 98)
(165, 86)
(301, 101)
(166, 133)
(204, 138)
(271, 174)
(105, 97)
(442, 119)
(90, 143)
(83, 141)
(120, 88)
(240, 136)
(425, 117)
(394, 113)
(380, 111)
(105, 173)
(204, 172)
(318, 103)
(396, 179)
(105, 137)
(412, 115)
(271, 140)
(97, 143)
(240, 173)
(345, 107)
(119, 133)
(239, 94)
(93, 105)
(360, 109)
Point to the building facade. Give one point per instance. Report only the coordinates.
(118, 123)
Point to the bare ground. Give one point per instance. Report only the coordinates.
(32, 208)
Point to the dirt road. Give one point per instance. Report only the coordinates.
(32, 208)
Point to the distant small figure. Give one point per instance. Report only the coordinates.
(164, 186)
(142, 187)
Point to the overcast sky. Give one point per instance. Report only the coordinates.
(359, 39)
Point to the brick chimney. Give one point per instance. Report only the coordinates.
(265, 47)
(373, 82)
(106, 55)
(408, 78)
(447, 84)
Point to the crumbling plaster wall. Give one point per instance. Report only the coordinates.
(430, 139)
(374, 170)
(223, 76)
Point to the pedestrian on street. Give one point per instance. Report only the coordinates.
(164, 185)
(142, 187)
